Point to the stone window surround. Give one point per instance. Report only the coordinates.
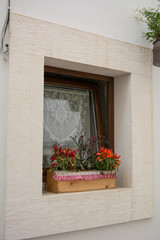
(29, 213)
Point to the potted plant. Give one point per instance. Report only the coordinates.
(151, 17)
(87, 168)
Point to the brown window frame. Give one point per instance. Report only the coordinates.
(74, 79)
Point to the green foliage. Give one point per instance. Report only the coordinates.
(151, 17)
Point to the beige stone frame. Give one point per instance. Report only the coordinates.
(28, 213)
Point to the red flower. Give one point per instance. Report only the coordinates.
(60, 153)
(74, 153)
(64, 151)
(52, 158)
(55, 148)
(53, 164)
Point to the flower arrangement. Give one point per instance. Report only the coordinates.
(151, 17)
(89, 155)
(87, 148)
(106, 160)
(63, 159)
(90, 167)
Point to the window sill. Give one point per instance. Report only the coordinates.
(117, 189)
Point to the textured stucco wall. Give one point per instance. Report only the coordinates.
(99, 17)
(3, 103)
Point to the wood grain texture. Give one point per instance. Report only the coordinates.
(28, 213)
(72, 73)
(78, 185)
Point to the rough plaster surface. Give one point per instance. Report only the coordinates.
(28, 213)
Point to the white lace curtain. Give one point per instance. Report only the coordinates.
(66, 112)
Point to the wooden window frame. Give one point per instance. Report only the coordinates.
(76, 81)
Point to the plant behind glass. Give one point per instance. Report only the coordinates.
(87, 148)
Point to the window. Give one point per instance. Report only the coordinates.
(132, 200)
(72, 101)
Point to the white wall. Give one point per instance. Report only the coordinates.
(112, 19)
(3, 102)
(105, 17)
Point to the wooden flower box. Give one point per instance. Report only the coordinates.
(65, 182)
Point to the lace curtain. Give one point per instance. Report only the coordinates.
(66, 111)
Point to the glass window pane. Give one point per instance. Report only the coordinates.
(66, 112)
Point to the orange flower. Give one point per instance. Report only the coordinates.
(115, 156)
(110, 161)
(98, 159)
(106, 153)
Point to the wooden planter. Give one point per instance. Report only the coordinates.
(64, 182)
(156, 53)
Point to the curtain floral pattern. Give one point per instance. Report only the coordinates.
(66, 111)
